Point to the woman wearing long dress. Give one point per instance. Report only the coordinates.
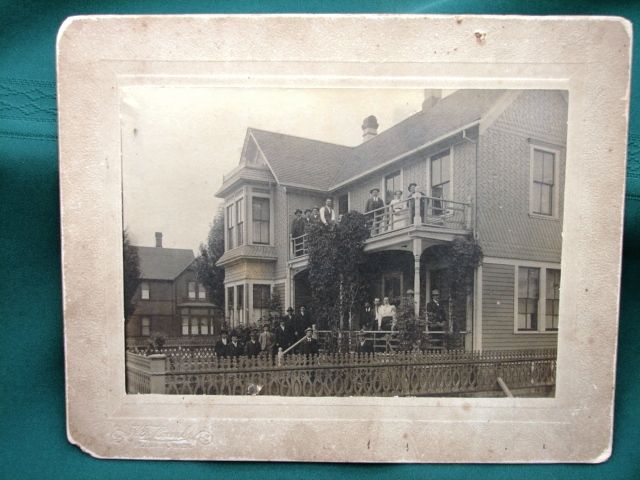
(399, 211)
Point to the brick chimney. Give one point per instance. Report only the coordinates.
(369, 128)
(431, 97)
(159, 239)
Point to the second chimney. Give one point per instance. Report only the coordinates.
(369, 128)
(431, 97)
(159, 239)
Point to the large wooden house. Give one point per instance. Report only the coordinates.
(490, 164)
(170, 302)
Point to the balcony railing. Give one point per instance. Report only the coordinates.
(432, 212)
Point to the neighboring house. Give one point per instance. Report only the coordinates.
(491, 164)
(169, 301)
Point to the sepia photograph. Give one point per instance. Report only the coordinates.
(342, 242)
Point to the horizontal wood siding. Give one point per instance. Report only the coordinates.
(281, 231)
(464, 164)
(498, 317)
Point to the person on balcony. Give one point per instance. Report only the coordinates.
(308, 346)
(399, 211)
(386, 315)
(436, 312)
(374, 203)
(221, 345)
(298, 224)
(416, 196)
(327, 213)
(253, 347)
(314, 218)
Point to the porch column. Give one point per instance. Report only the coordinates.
(417, 252)
(287, 289)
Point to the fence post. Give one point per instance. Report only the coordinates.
(157, 371)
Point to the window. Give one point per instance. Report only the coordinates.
(204, 326)
(552, 299)
(261, 220)
(528, 296)
(543, 182)
(145, 327)
(261, 296)
(202, 292)
(392, 286)
(240, 297)
(144, 291)
(192, 289)
(391, 184)
(230, 226)
(343, 204)
(230, 299)
(185, 325)
(440, 174)
(240, 222)
(194, 325)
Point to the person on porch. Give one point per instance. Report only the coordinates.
(308, 346)
(283, 336)
(368, 317)
(220, 347)
(307, 217)
(364, 345)
(253, 348)
(327, 213)
(373, 203)
(304, 319)
(436, 312)
(377, 319)
(314, 218)
(386, 314)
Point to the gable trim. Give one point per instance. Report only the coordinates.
(266, 160)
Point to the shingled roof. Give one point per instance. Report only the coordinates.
(157, 263)
(322, 165)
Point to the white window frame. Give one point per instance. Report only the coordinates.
(232, 201)
(384, 183)
(145, 287)
(555, 208)
(249, 209)
(427, 185)
(542, 296)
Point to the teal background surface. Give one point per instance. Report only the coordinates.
(32, 417)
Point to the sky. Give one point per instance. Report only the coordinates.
(178, 141)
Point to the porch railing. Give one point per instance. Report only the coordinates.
(425, 211)
(298, 246)
(347, 374)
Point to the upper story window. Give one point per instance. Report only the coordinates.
(144, 291)
(235, 224)
(240, 303)
(261, 220)
(261, 295)
(196, 290)
(543, 182)
(392, 183)
(440, 174)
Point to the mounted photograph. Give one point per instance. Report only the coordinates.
(351, 242)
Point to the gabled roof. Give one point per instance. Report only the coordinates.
(158, 263)
(322, 165)
(297, 160)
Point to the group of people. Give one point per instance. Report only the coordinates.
(302, 221)
(281, 333)
(400, 212)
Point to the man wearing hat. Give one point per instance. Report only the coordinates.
(266, 338)
(298, 224)
(221, 345)
(436, 312)
(282, 335)
(234, 349)
(253, 347)
(308, 346)
(373, 203)
(314, 219)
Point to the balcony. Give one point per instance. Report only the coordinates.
(436, 219)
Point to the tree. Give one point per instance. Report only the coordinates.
(336, 261)
(209, 274)
(131, 267)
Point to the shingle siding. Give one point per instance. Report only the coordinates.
(498, 313)
(506, 228)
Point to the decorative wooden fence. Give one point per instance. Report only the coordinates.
(348, 374)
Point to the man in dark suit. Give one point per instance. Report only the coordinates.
(304, 319)
(283, 336)
(234, 349)
(298, 224)
(436, 312)
(314, 219)
(221, 345)
(373, 203)
(308, 346)
(368, 318)
(253, 348)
